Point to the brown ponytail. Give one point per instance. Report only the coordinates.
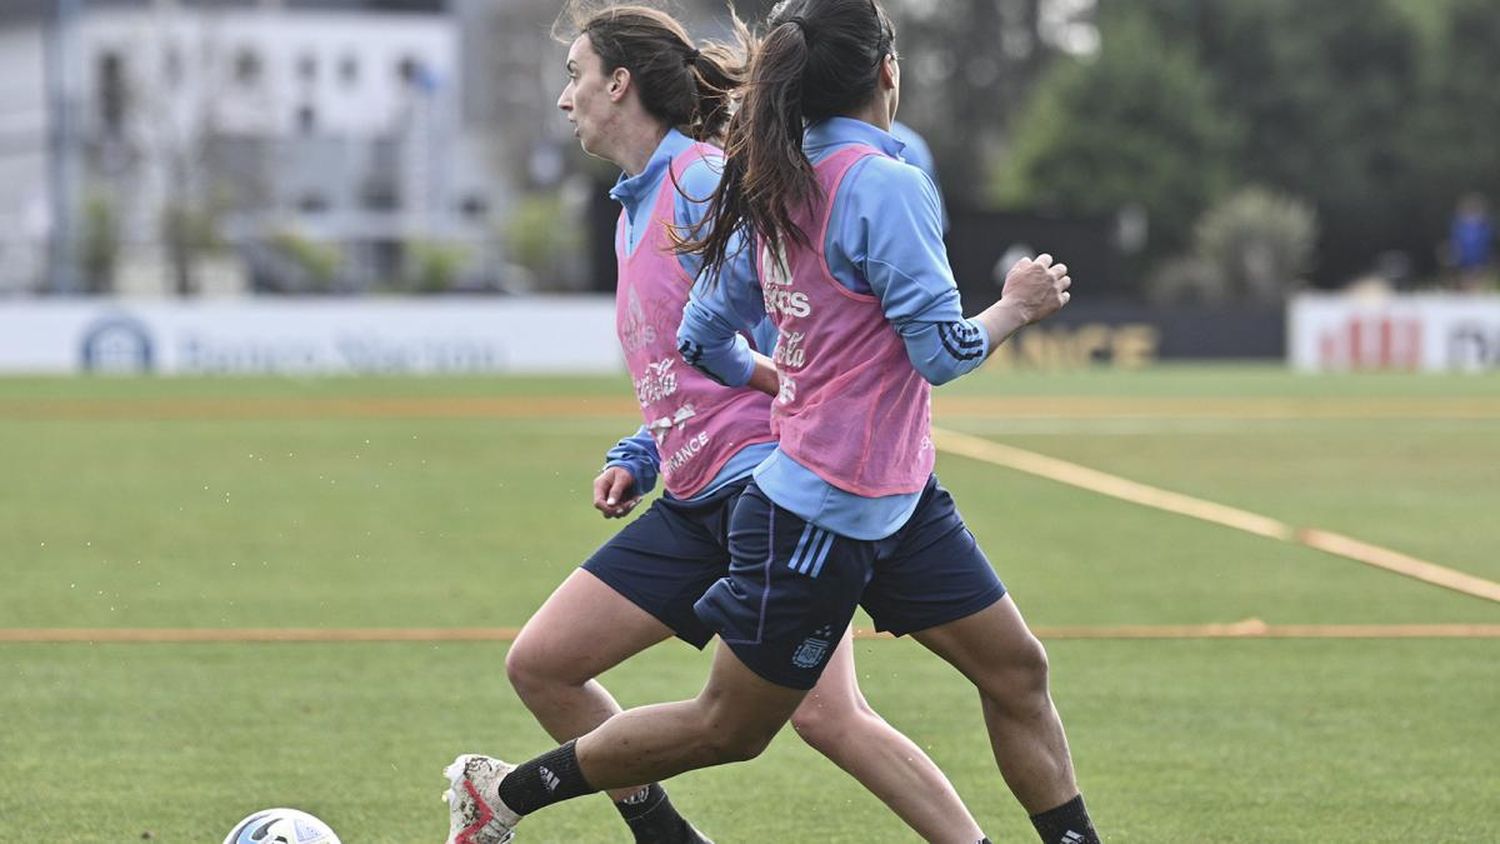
(817, 59)
(686, 86)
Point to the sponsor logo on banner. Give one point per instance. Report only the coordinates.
(1372, 342)
(1426, 332)
(1127, 345)
(289, 336)
(1474, 345)
(352, 351)
(117, 343)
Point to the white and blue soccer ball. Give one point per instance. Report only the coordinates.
(281, 826)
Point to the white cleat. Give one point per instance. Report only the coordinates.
(475, 813)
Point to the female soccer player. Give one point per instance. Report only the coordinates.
(635, 79)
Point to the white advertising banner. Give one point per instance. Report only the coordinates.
(255, 337)
(1427, 333)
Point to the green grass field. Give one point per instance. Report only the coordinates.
(359, 503)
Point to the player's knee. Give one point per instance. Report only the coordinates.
(520, 670)
(1020, 685)
(1032, 665)
(738, 744)
(824, 725)
(813, 726)
(729, 736)
(1027, 669)
(529, 672)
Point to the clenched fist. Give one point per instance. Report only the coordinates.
(1037, 288)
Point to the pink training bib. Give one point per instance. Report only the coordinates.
(852, 408)
(698, 424)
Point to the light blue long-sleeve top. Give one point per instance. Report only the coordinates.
(919, 155)
(884, 238)
(637, 453)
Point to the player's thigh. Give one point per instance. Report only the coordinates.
(992, 647)
(665, 560)
(584, 629)
(743, 709)
(837, 693)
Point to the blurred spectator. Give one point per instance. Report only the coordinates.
(918, 154)
(1471, 242)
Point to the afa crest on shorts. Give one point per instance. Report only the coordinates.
(814, 649)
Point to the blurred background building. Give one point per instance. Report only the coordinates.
(164, 146)
(1198, 162)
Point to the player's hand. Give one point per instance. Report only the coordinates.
(1036, 288)
(612, 492)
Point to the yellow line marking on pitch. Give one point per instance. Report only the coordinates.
(1385, 558)
(1247, 629)
(1103, 483)
(1255, 629)
(1072, 474)
(181, 635)
(1240, 408)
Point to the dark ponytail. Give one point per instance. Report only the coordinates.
(686, 86)
(817, 59)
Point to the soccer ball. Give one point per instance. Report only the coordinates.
(281, 826)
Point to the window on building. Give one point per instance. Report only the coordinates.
(307, 120)
(380, 195)
(409, 70)
(307, 67)
(349, 71)
(171, 67)
(247, 67)
(474, 206)
(312, 202)
(112, 94)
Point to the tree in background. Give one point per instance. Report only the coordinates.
(967, 69)
(1378, 113)
(1325, 93)
(1455, 131)
(1139, 124)
(1316, 99)
(1256, 246)
(967, 66)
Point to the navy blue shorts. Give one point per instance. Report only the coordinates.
(792, 586)
(669, 556)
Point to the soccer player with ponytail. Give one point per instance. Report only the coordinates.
(852, 269)
(644, 96)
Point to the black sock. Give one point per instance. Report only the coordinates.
(550, 778)
(1067, 824)
(651, 816)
